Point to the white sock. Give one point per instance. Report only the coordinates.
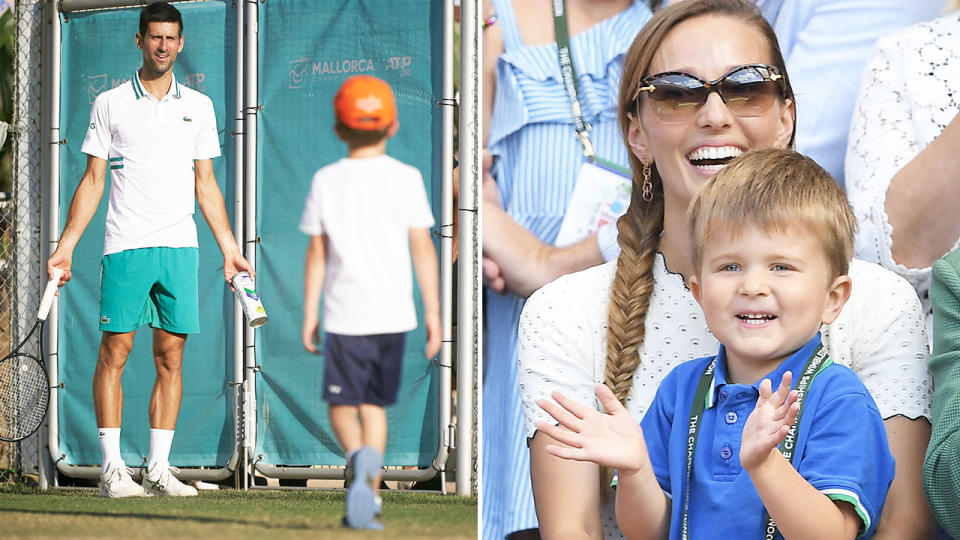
(109, 446)
(160, 441)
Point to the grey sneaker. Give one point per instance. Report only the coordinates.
(360, 500)
(160, 482)
(116, 482)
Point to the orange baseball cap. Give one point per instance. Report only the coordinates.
(365, 102)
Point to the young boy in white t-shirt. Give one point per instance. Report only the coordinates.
(366, 215)
(719, 453)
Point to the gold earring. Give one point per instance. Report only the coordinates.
(647, 184)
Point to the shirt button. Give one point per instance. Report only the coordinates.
(731, 417)
(723, 395)
(726, 452)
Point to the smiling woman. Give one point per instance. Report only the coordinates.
(627, 324)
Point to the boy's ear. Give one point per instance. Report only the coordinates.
(392, 130)
(695, 287)
(837, 296)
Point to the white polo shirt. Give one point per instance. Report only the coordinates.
(150, 146)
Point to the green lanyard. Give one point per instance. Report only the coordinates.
(815, 364)
(568, 74)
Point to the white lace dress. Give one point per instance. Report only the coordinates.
(563, 333)
(909, 93)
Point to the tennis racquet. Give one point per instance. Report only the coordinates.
(24, 386)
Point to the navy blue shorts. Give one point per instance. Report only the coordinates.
(362, 369)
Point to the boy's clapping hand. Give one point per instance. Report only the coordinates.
(611, 439)
(769, 422)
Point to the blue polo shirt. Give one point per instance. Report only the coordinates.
(841, 450)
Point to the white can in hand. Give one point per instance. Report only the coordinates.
(247, 295)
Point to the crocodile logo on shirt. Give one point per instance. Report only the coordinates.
(187, 119)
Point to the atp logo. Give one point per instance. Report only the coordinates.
(401, 64)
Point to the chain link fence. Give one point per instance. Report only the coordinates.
(20, 217)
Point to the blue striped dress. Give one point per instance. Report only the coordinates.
(536, 160)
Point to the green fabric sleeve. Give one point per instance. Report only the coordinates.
(941, 467)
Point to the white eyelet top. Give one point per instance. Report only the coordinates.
(909, 93)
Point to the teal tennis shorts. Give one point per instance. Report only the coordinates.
(154, 286)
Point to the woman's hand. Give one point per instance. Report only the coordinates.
(493, 277)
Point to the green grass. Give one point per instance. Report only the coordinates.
(61, 513)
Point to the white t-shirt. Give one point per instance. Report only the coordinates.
(880, 334)
(150, 146)
(366, 207)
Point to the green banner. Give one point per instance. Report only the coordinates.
(307, 49)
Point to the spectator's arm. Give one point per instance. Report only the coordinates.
(906, 514)
(564, 512)
(922, 202)
(526, 263)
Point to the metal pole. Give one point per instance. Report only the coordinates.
(469, 299)
(51, 179)
(446, 247)
(238, 230)
(250, 108)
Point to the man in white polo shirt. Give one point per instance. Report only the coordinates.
(158, 138)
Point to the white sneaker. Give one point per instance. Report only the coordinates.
(161, 482)
(116, 482)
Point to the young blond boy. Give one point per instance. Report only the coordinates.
(366, 215)
(718, 455)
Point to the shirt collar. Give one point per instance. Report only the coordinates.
(139, 91)
(794, 363)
